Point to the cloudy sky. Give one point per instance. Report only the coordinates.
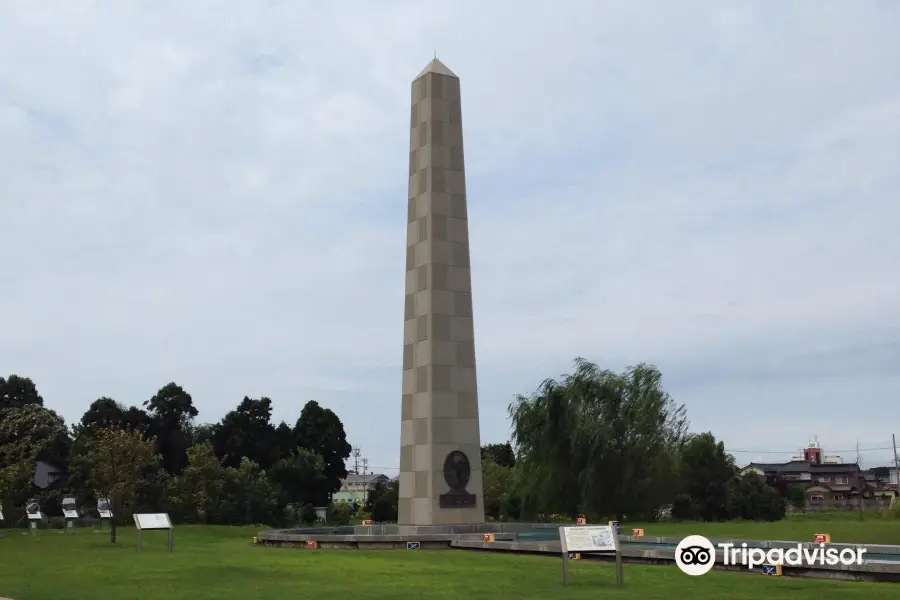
(217, 197)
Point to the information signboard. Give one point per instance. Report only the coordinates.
(587, 539)
(33, 510)
(103, 507)
(153, 521)
(69, 509)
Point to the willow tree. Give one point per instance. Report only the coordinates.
(598, 442)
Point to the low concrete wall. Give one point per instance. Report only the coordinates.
(648, 549)
(871, 571)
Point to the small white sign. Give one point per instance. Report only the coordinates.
(103, 508)
(588, 538)
(68, 508)
(33, 510)
(153, 521)
(1, 511)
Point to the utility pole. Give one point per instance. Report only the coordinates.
(896, 462)
(356, 461)
(365, 464)
(859, 483)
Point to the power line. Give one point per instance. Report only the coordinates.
(795, 450)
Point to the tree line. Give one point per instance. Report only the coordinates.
(149, 458)
(596, 443)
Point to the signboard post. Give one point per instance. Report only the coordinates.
(590, 539)
(105, 512)
(155, 521)
(33, 512)
(70, 514)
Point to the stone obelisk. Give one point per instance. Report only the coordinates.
(440, 443)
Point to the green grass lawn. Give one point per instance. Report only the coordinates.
(843, 528)
(220, 563)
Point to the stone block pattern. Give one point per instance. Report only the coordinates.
(440, 397)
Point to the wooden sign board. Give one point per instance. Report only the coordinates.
(637, 532)
(487, 537)
(368, 522)
(582, 539)
(153, 521)
(821, 538)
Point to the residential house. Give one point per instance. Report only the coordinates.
(47, 474)
(828, 482)
(355, 488)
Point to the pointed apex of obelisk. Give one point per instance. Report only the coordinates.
(436, 66)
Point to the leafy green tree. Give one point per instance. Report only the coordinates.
(321, 431)
(300, 476)
(338, 514)
(499, 488)
(796, 497)
(172, 412)
(379, 489)
(106, 412)
(386, 508)
(253, 497)
(247, 432)
(117, 460)
(197, 492)
(598, 442)
(27, 434)
(284, 441)
(752, 500)
(16, 392)
(202, 433)
(500, 454)
(707, 471)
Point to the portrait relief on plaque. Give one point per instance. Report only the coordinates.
(457, 472)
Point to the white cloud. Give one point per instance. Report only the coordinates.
(217, 197)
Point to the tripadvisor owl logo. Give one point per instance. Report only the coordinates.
(695, 555)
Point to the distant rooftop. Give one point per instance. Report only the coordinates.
(367, 478)
(802, 466)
